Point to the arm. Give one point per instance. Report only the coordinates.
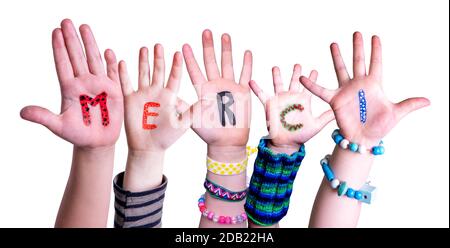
(222, 120)
(290, 125)
(364, 116)
(91, 118)
(154, 119)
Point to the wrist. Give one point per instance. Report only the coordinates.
(280, 148)
(227, 153)
(144, 170)
(360, 138)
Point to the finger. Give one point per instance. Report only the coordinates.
(144, 69)
(61, 57)
(263, 97)
(277, 81)
(246, 73)
(173, 82)
(112, 68)
(125, 82)
(294, 86)
(193, 69)
(359, 64)
(227, 58)
(317, 90)
(375, 68)
(159, 66)
(209, 56)
(325, 118)
(42, 116)
(74, 49)
(313, 77)
(94, 59)
(407, 106)
(339, 65)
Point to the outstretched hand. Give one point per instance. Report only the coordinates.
(362, 111)
(92, 107)
(288, 113)
(223, 117)
(154, 116)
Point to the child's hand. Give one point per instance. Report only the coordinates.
(88, 118)
(225, 104)
(153, 119)
(288, 113)
(369, 123)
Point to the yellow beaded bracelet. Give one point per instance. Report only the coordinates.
(229, 169)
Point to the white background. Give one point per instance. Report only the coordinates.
(412, 177)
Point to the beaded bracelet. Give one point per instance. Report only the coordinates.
(229, 169)
(365, 194)
(222, 193)
(345, 144)
(226, 220)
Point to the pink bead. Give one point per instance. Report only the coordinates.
(222, 220)
(202, 209)
(201, 204)
(244, 216)
(210, 215)
(228, 220)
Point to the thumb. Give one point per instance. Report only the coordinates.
(409, 105)
(42, 116)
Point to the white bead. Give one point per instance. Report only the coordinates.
(335, 183)
(362, 149)
(216, 218)
(344, 144)
(323, 161)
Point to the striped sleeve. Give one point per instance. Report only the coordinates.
(138, 209)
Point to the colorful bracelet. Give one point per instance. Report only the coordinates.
(229, 169)
(210, 215)
(345, 144)
(271, 184)
(222, 193)
(365, 194)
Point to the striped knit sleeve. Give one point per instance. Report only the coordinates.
(138, 209)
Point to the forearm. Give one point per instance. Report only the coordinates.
(329, 209)
(86, 199)
(233, 182)
(144, 170)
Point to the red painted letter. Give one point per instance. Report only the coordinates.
(99, 99)
(145, 125)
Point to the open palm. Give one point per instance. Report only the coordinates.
(164, 129)
(381, 114)
(82, 75)
(207, 122)
(288, 113)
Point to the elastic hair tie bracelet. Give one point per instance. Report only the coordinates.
(345, 144)
(221, 193)
(365, 194)
(225, 220)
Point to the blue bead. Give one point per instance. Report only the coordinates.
(358, 195)
(350, 193)
(342, 188)
(338, 138)
(353, 147)
(201, 200)
(378, 150)
(328, 172)
(335, 132)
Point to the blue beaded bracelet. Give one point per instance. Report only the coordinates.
(365, 194)
(345, 144)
